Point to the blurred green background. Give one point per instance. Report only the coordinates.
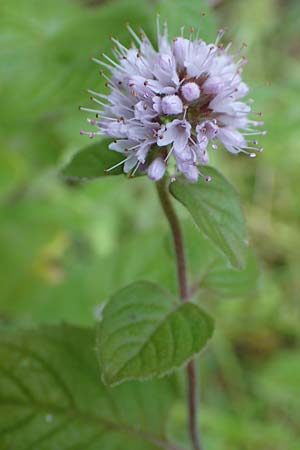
(65, 248)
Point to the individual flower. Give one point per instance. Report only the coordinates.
(176, 102)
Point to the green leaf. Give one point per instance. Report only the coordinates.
(144, 333)
(212, 270)
(51, 397)
(92, 162)
(215, 207)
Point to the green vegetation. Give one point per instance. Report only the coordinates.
(65, 246)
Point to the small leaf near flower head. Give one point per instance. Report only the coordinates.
(216, 209)
(93, 162)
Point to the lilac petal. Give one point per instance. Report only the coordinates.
(183, 133)
(178, 132)
(186, 154)
(157, 104)
(207, 129)
(143, 111)
(189, 170)
(122, 145)
(191, 173)
(180, 49)
(166, 135)
(232, 139)
(142, 151)
(213, 85)
(115, 129)
(130, 163)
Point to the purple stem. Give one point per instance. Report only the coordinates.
(165, 200)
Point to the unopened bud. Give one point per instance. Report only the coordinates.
(171, 104)
(190, 91)
(157, 169)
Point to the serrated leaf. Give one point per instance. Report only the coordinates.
(92, 162)
(144, 333)
(51, 397)
(215, 208)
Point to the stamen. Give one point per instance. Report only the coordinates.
(98, 94)
(134, 35)
(185, 108)
(103, 64)
(221, 33)
(169, 153)
(96, 111)
(120, 46)
(117, 165)
(98, 102)
(113, 63)
(136, 168)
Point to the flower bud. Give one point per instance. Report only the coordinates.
(190, 91)
(171, 104)
(157, 169)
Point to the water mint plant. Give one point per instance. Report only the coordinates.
(167, 106)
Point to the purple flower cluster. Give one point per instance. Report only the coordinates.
(173, 104)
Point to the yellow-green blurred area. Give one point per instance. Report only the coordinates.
(65, 248)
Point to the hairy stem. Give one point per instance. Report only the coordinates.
(165, 200)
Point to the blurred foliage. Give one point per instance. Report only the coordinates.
(65, 248)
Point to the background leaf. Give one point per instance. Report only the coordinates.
(143, 333)
(51, 397)
(215, 208)
(212, 270)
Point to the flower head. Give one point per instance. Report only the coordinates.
(174, 102)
